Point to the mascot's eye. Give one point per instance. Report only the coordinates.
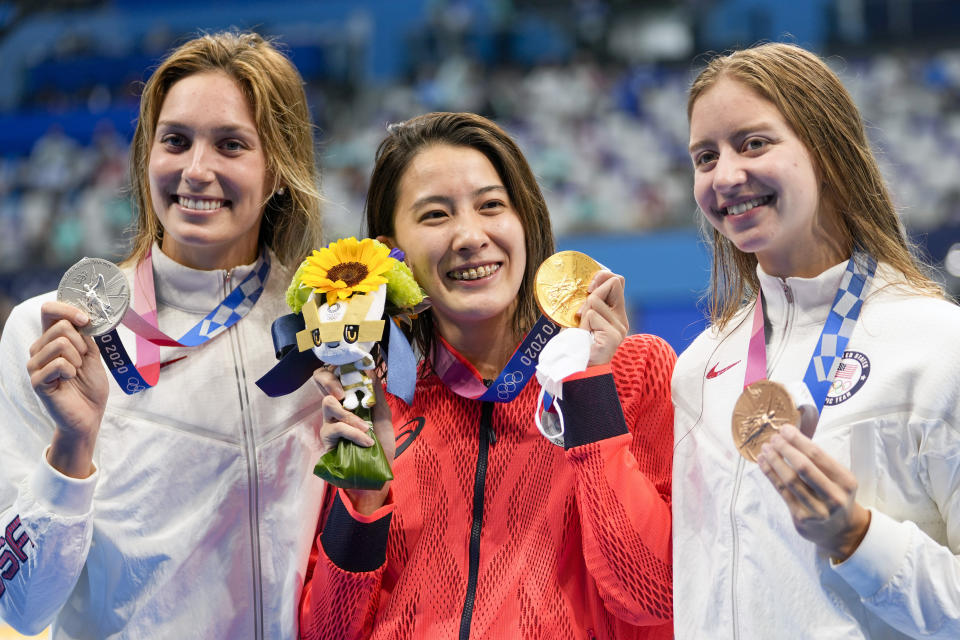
(350, 333)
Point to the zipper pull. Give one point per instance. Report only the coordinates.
(786, 291)
(227, 275)
(491, 436)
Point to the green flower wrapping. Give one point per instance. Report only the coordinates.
(350, 466)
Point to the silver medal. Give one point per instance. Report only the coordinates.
(98, 288)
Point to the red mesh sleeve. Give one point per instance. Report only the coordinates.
(337, 602)
(623, 489)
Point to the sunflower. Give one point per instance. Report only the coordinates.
(347, 266)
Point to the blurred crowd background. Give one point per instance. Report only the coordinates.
(594, 90)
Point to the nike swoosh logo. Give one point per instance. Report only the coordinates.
(713, 373)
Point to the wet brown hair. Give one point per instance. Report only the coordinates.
(291, 223)
(820, 111)
(406, 139)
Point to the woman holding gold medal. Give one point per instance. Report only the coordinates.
(825, 501)
(489, 529)
(172, 512)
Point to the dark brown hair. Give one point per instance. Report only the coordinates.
(406, 139)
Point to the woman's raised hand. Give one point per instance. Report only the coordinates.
(67, 374)
(339, 422)
(604, 315)
(819, 491)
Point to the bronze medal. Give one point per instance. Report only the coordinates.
(560, 286)
(761, 410)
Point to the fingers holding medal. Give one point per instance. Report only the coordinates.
(575, 291)
(604, 315)
(64, 365)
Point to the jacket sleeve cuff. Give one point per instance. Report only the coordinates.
(590, 372)
(878, 558)
(355, 542)
(591, 407)
(60, 493)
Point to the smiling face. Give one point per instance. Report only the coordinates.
(207, 171)
(463, 240)
(756, 183)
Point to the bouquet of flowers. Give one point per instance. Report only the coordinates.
(341, 294)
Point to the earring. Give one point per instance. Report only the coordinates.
(281, 191)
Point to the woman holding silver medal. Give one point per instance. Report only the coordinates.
(172, 512)
(488, 529)
(855, 532)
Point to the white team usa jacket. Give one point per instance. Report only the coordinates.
(893, 417)
(199, 519)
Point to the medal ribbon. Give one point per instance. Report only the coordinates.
(834, 337)
(461, 378)
(141, 318)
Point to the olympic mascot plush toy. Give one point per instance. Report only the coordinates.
(340, 296)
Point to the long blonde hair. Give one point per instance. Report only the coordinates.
(818, 108)
(291, 223)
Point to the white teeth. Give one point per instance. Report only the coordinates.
(745, 206)
(473, 273)
(199, 205)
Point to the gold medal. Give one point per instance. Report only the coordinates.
(560, 286)
(761, 410)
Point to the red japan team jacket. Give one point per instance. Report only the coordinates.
(491, 531)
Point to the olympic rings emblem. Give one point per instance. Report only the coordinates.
(509, 384)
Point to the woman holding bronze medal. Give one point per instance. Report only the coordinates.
(817, 460)
(489, 529)
(171, 512)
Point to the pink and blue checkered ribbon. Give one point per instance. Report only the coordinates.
(827, 355)
(145, 374)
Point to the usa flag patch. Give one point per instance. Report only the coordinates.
(852, 373)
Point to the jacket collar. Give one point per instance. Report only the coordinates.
(811, 297)
(192, 290)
